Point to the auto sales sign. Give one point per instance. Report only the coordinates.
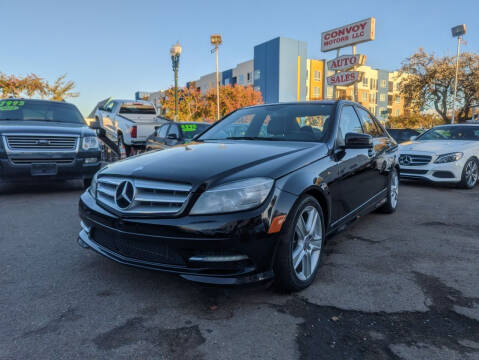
(344, 78)
(351, 34)
(346, 62)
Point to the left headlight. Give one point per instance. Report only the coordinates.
(92, 188)
(449, 157)
(234, 196)
(90, 143)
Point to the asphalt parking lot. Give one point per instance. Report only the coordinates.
(401, 286)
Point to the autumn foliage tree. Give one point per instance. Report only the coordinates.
(194, 106)
(430, 83)
(31, 85)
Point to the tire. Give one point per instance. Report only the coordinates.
(470, 174)
(393, 193)
(291, 243)
(86, 183)
(121, 142)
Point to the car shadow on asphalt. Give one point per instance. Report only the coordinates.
(40, 187)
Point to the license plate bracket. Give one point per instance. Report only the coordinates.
(43, 169)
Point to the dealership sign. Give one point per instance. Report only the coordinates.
(351, 34)
(344, 78)
(346, 62)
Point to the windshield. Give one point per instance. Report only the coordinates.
(34, 110)
(137, 108)
(452, 133)
(191, 130)
(283, 122)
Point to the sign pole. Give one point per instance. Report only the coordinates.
(336, 71)
(355, 86)
(455, 81)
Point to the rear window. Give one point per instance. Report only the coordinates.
(137, 108)
(31, 110)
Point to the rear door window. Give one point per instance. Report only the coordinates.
(348, 123)
(162, 131)
(137, 108)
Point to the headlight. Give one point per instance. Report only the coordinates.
(93, 185)
(234, 196)
(449, 157)
(90, 142)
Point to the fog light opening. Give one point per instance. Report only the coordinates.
(91, 160)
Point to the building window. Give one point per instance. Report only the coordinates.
(365, 96)
(257, 74)
(397, 112)
(382, 97)
(329, 93)
(317, 75)
(227, 81)
(316, 92)
(373, 84)
(373, 98)
(398, 99)
(383, 84)
(241, 79)
(365, 81)
(398, 86)
(390, 86)
(249, 76)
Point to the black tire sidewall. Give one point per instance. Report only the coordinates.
(283, 266)
(463, 182)
(388, 207)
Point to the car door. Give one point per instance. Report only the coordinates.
(382, 146)
(108, 120)
(355, 167)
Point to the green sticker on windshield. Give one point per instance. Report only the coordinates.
(188, 127)
(9, 105)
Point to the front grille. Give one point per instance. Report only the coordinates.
(413, 171)
(414, 160)
(23, 161)
(150, 197)
(41, 142)
(146, 250)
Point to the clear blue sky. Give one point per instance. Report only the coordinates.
(113, 48)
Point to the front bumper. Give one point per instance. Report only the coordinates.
(220, 249)
(57, 166)
(442, 173)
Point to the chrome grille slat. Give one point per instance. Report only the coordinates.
(41, 142)
(25, 161)
(151, 197)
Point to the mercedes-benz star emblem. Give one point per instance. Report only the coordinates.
(125, 194)
(406, 160)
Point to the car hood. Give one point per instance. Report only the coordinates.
(435, 146)
(44, 127)
(213, 163)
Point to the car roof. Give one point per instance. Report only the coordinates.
(438, 126)
(36, 100)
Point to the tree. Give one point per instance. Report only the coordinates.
(61, 89)
(430, 83)
(416, 121)
(190, 104)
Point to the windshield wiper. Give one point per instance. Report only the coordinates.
(253, 138)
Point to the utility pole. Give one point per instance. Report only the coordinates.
(175, 52)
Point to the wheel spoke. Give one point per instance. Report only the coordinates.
(298, 256)
(307, 265)
(301, 228)
(312, 221)
(315, 245)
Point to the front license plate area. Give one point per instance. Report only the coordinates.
(43, 169)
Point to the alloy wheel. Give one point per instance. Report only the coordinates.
(471, 173)
(394, 189)
(307, 244)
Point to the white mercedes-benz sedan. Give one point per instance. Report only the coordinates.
(447, 153)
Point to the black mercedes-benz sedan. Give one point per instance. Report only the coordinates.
(252, 198)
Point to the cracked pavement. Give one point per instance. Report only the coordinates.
(401, 286)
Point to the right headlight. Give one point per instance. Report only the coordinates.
(234, 196)
(93, 185)
(451, 157)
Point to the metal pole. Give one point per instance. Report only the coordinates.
(336, 71)
(176, 93)
(355, 86)
(217, 87)
(455, 81)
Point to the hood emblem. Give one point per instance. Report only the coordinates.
(125, 194)
(405, 160)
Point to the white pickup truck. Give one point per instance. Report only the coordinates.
(128, 122)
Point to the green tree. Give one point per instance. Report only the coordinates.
(61, 89)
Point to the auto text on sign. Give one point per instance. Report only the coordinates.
(351, 34)
(346, 62)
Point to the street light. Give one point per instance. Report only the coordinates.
(216, 40)
(175, 53)
(457, 31)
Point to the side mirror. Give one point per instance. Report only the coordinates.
(412, 138)
(358, 141)
(172, 137)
